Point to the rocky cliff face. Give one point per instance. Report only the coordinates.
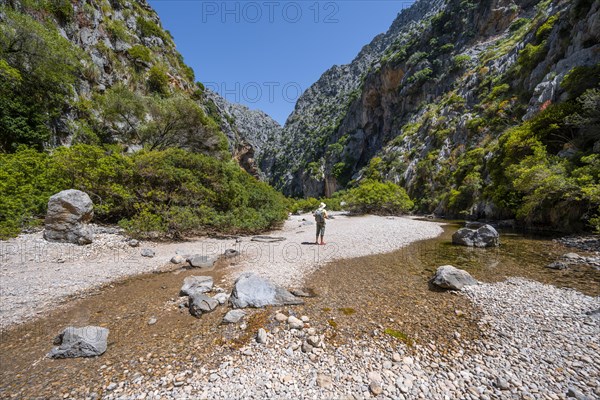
(119, 42)
(248, 131)
(320, 110)
(442, 85)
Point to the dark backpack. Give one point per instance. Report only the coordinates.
(320, 216)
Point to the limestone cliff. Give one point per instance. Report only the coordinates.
(429, 105)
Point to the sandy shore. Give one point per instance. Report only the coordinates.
(36, 275)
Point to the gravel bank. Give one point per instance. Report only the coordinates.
(36, 275)
(539, 343)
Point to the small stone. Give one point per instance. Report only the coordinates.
(375, 388)
(306, 348)
(231, 253)
(147, 253)
(295, 323)
(573, 392)
(558, 265)
(221, 298)
(233, 316)
(133, 243)
(178, 259)
(387, 364)
(112, 386)
(280, 317)
(261, 336)
(324, 381)
(213, 377)
(396, 357)
(502, 384)
(152, 321)
(304, 318)
(314, 341)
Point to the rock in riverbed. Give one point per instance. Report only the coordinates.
(177, 259)
(200, 261)
(68, 213)
(449, 277)
(196, 284)
(251, 290)
(147, 253)
(199, 304)
(484, 236)
(234, 316)
(89, 341)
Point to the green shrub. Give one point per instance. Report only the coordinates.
(532, 55)
(544, 30)
(579, 79)
(373, 197)
(518, 24)
(118, 31)
(447, 48)
(171, 192)
(63, 10)
(140, 53)
(417, 57)
(420, 76)
(37, 73)
(158, 80)
(460, 61)
(26, 184)
(148, 28)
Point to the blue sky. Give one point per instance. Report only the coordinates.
(265, 53)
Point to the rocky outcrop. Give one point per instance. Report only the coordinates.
(251, 290)
(248, 130)
(484, 236)
(449, 277)
(66, 220)
(89, 341)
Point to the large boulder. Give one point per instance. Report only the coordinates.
(251, 290)
(89, 341)
(449, 277)
(68, 213)
(196, 284)
(484, 236)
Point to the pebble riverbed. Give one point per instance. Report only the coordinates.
(512, 339)
(537, 343)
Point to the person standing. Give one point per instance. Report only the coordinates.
(320, 218)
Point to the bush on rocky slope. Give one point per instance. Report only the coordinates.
(171, 192)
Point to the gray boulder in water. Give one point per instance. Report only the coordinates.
(233, 316)
(200, 303)
(251, 290)
(449, 277)
(196, 284)
(484, 236)
(68, 213)
(89, 341)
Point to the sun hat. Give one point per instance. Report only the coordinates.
(322, 206)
